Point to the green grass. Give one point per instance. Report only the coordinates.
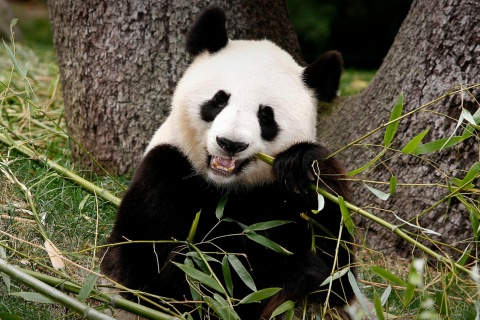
(76, 221)
(355, 81)
(71, 214)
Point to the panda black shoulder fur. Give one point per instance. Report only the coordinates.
(236, 99)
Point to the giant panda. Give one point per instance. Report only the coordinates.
(236, 99)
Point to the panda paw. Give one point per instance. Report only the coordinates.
(296, 168)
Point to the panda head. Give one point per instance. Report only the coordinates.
(238, 98)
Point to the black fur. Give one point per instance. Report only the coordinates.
(210, 109)
(208, 32)
(324, 74)
(165, 195)
(268, 126)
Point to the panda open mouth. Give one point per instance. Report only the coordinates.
(226, 166)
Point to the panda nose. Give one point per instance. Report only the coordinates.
(231, 146)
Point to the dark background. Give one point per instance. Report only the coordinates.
(363, 30)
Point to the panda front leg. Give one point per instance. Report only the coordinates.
(296, 169)
(302, 284)
(303, 163)
(154, 214)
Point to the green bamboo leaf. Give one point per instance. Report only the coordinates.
(393, 126)
(468, 131)
(470, 207)
(242, 271)
(199, 260)
(470, 128)
(409, 292)
(220, 310)
(9, 316)
(267, 243)
(267, 225)
(284, 307)
(200, 276)
(378, 306)
(321, 203)
(465, 255)
(347, 219)
(393, 185)
(193, 228)
(412, 144)
(17, 67)
(385, 295)
(380, 194)
(471, 174)
(369, 164)
(414, 279)
(438, 145)
(459, 183)
(290, 314)
(33, 297)
(335, 276)
(88, 285)
(83, 202)
(197, 257)
(227, 275)
(31, 108)
(243, 226)
(259, 295)
(221, 207)
(468, 116)
(387, 275)
(459, 123)
(231, 314)
(474, 220)
(195, 289)
(356, 290)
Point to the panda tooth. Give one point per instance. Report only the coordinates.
(223, 164)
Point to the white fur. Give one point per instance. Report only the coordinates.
(253, 73)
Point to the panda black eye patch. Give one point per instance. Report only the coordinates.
(211, 108)
(268, 126)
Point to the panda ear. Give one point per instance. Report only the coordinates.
(323, 75)
(208, 32)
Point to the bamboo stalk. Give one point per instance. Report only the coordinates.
(394, 228)
(26, 220)
(115, 300)
(87, 185)
(50, 283)
(56, 295)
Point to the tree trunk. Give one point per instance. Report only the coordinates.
(437, 48)
(120, 60)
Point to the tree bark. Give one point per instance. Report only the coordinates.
(120, 60)
(437, 48)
